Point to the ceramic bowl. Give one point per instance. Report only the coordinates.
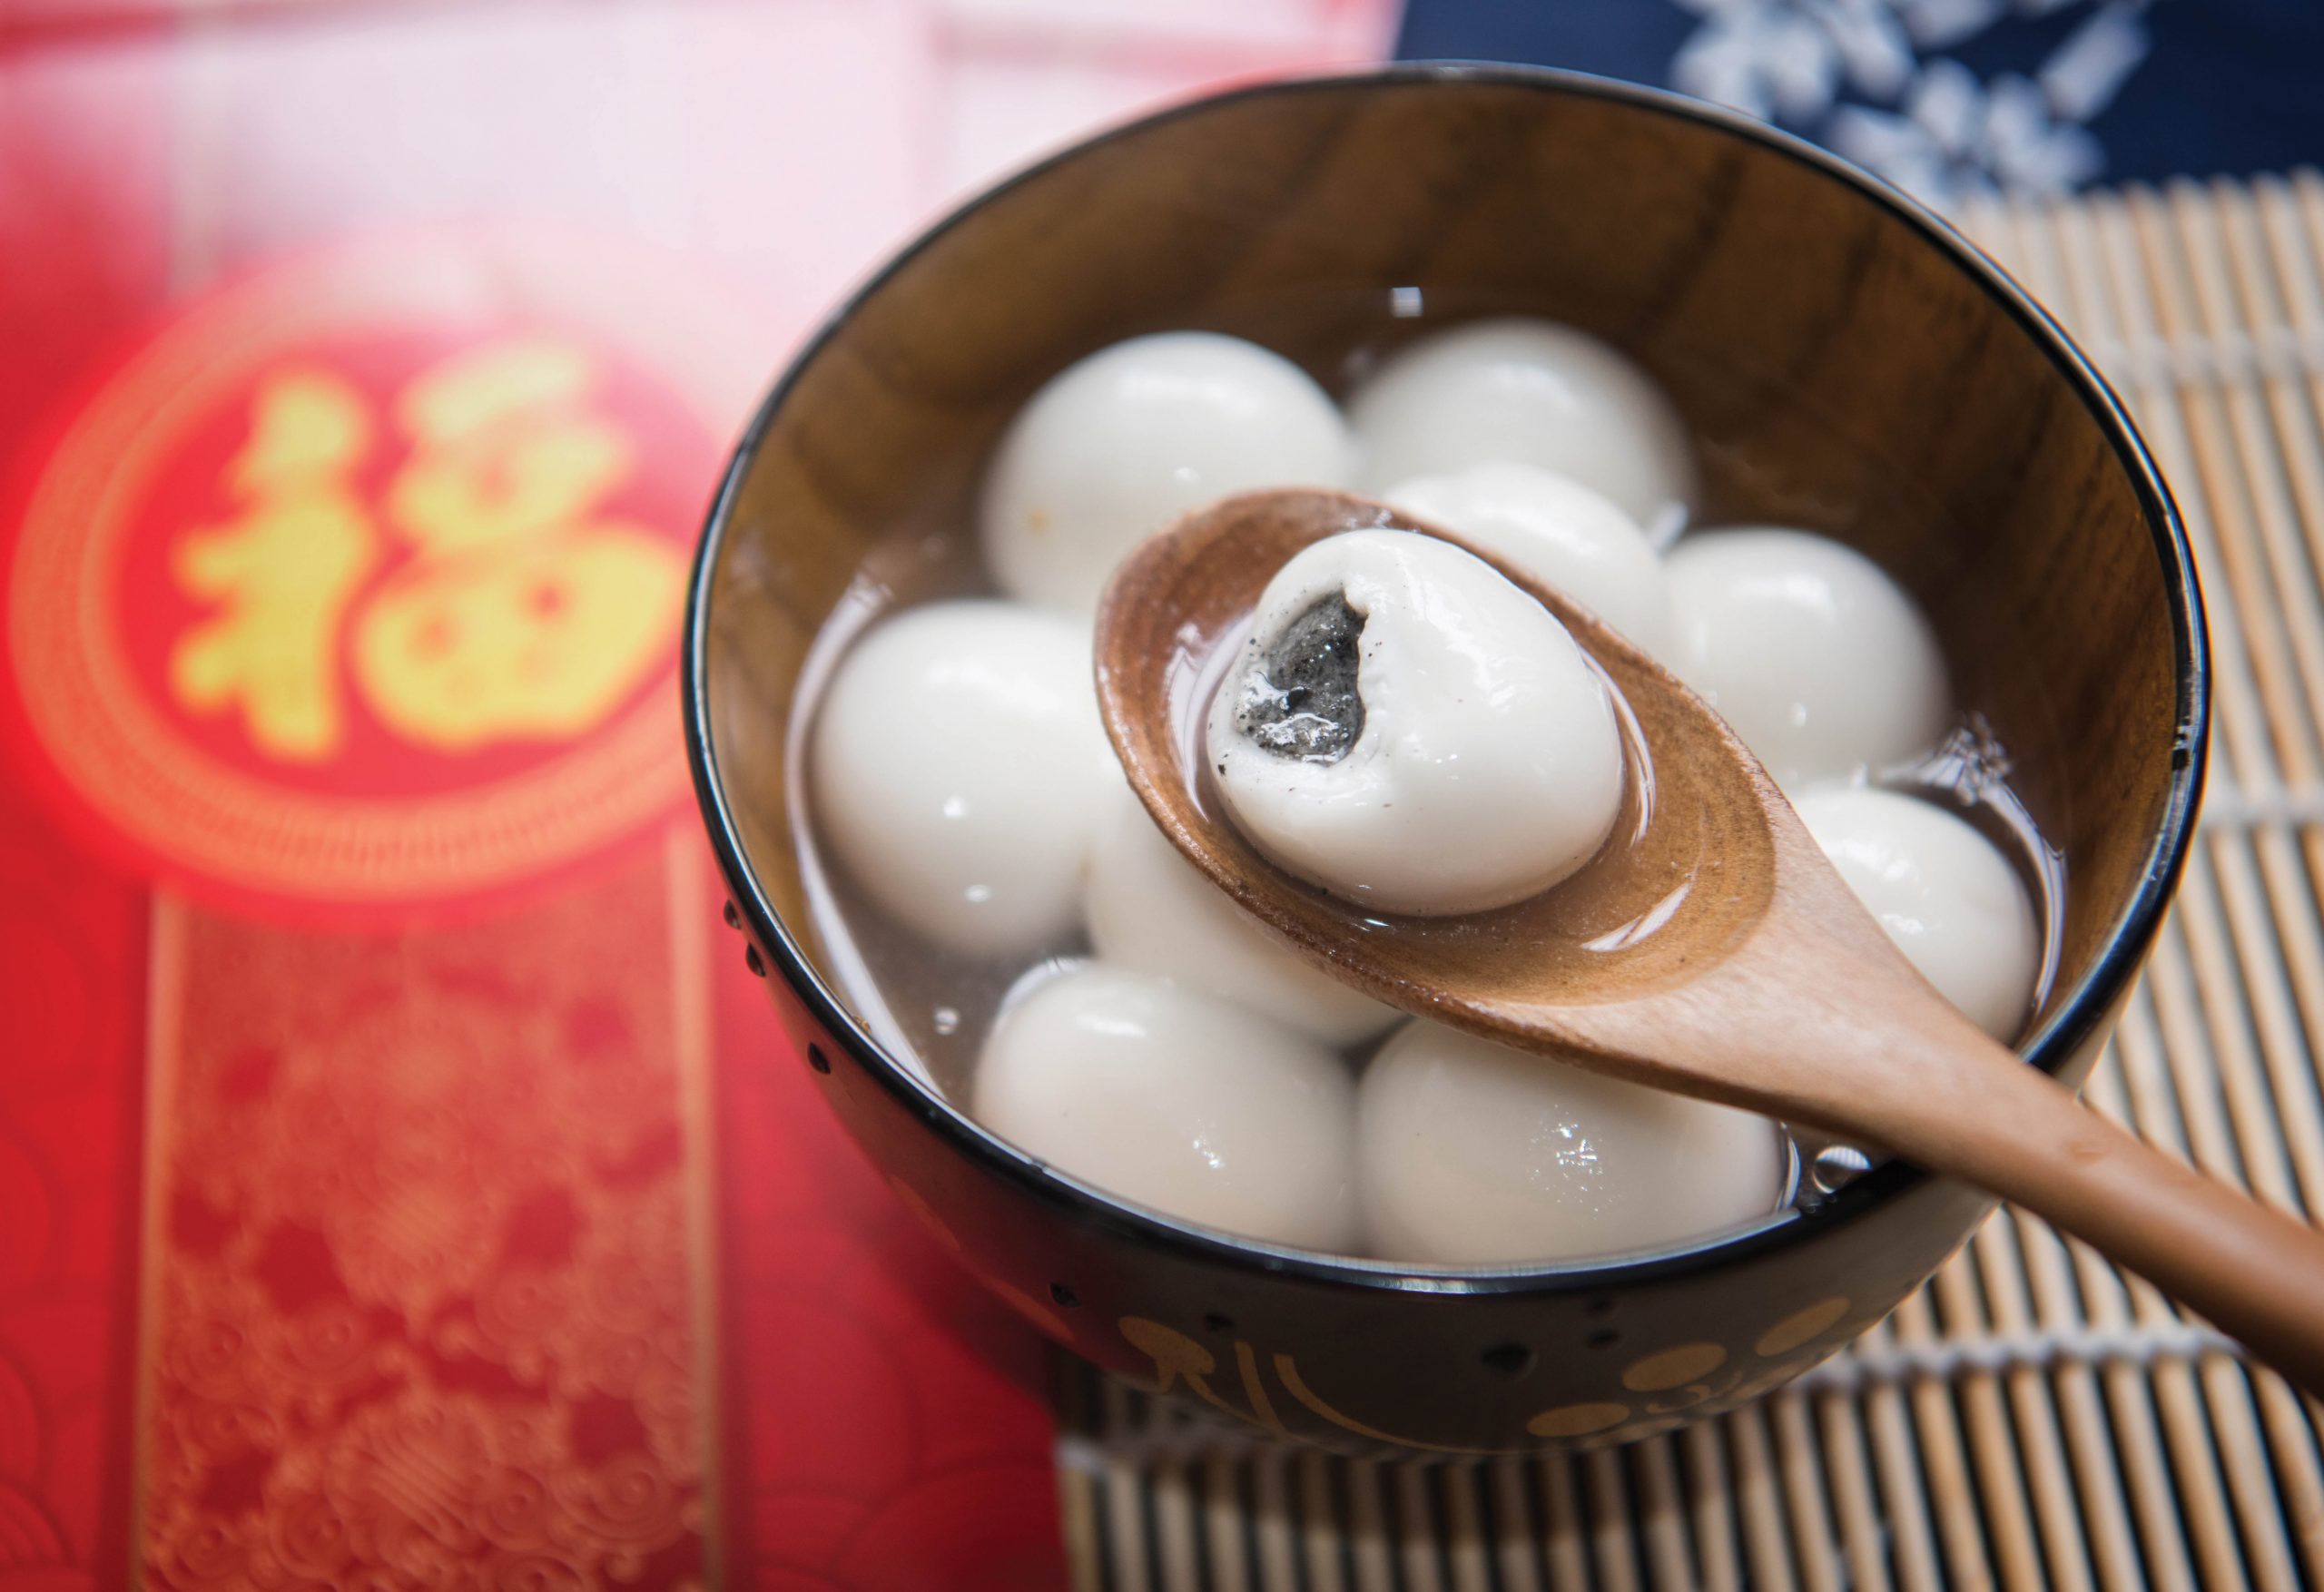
(1849, 364)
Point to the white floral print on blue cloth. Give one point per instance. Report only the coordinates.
(1851, 73)
(1952, 99)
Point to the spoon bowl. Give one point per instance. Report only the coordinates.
(1684, 875)
(1708, 949)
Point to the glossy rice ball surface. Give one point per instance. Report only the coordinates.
(1821, 663)
(1569, 535)
(1193, 1107)
(1948, 896)
(1151, 909)
(1520, 391)
(1117, 447)
(960, 772)
(1411, 733)
(1473, 1152)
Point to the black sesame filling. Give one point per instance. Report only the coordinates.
(1301, 701)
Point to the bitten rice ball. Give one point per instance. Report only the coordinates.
(1412, 732)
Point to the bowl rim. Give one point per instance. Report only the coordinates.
(1086, 1205)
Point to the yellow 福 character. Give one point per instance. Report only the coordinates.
(523, 612)
(283, 572)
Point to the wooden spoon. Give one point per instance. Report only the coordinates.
(1709, 949)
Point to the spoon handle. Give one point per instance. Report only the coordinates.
(2253, 1270)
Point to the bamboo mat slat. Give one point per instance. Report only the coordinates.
(2032, 1417)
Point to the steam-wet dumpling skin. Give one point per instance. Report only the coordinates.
(1572, 536)
(960, 772)
(1524, 391)
(1470, 1152)
(1948, 897)
(1197, 1108)
(1413, 732)
(1151, 909)
(1819, 661)
(1117, 447)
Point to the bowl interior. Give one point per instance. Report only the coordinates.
(1844, 371)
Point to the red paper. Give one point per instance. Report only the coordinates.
(402, 1181)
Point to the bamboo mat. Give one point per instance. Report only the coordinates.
(2031, 1419)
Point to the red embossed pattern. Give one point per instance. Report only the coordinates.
(421, 1311)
